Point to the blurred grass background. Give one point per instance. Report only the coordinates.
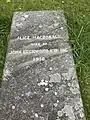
(77, 13)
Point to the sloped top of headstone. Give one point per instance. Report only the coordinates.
(40, 81)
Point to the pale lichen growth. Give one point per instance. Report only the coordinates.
(13, 107)
(74, 90)
(55, 104)
(28, 93)
(71, 74)
(60, 113)
(43, 83)
(46, 89)
(55, 78)
(26, 16)
(61, 28)
(36, 115)
(55, 93)
(76, 106)
(42, 105)
(7, 73)
(24, 111)
(68, 110)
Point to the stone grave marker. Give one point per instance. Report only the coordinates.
(39, 78)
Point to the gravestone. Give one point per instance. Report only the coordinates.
(39, 79)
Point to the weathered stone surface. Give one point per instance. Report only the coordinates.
(39, 81)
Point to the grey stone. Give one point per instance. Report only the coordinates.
(39, 78)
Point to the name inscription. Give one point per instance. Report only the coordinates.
(39, 37)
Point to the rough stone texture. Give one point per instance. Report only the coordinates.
(40, 83)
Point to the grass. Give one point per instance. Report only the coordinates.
(77, 13)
